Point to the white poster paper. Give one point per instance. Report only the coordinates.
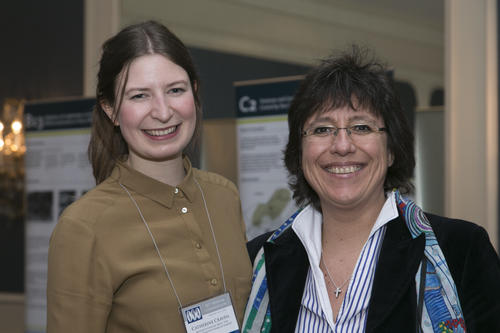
(262, 130)
(57, 173)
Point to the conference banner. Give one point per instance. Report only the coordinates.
(262, 132)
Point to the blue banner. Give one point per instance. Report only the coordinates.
(58, 115)
(265, 99)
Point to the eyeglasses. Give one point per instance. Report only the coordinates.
(360, 131)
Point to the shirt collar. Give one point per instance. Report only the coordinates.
(153, 189)
(388, 212)
(188, 186)
(308, 223)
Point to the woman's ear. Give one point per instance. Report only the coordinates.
(108, 109)
(390, 159)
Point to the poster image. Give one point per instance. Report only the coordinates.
(262, 132)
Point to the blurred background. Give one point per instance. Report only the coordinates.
(442, 53)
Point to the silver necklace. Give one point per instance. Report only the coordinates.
(338, 289)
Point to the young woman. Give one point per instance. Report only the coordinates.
(155, 235)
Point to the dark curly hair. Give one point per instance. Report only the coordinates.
(343, 77)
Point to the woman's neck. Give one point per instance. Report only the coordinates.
(170, 172)
(344, 225)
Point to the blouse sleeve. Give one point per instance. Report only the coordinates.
(79, 289)
(242, 222)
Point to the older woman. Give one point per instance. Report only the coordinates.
(358, 256)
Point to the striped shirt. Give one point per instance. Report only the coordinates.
(315, 313)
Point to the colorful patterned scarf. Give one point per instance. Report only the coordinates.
(442, 307)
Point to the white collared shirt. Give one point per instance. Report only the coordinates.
(315, 313)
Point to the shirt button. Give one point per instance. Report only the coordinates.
(198, 245)
(184, 210)
(176, 190)
(213, 282)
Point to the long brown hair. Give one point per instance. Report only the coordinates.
(107, 145)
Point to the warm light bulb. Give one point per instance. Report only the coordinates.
(16, 126)
(2, 143)
(1, 126)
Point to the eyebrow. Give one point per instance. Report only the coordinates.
(141, 89)
(350, 119)
(177, 82)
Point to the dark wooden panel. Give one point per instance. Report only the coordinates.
(41, 57)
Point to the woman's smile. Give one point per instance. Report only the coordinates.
(164, 132)
(342, 170)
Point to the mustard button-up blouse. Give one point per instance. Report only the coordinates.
(104, 272)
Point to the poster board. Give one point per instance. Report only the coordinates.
(262, 134)
(57, 173)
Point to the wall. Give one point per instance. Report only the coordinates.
(42, 49)
(302, 32)
(41, 58)
(471, 113)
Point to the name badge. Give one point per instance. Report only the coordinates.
(214, 315)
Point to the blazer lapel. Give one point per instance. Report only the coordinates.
(286, 269)
(397, 265)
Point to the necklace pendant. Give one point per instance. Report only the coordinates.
(337, 292)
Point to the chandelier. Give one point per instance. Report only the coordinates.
(12, 149)
(12, 136)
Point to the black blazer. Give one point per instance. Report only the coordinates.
(472, 260)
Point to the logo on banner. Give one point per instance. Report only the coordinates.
(246, 104)
(193, 314)
(33, 122)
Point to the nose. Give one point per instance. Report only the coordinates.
(342, 142)
(161, 109)
(338, 129)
